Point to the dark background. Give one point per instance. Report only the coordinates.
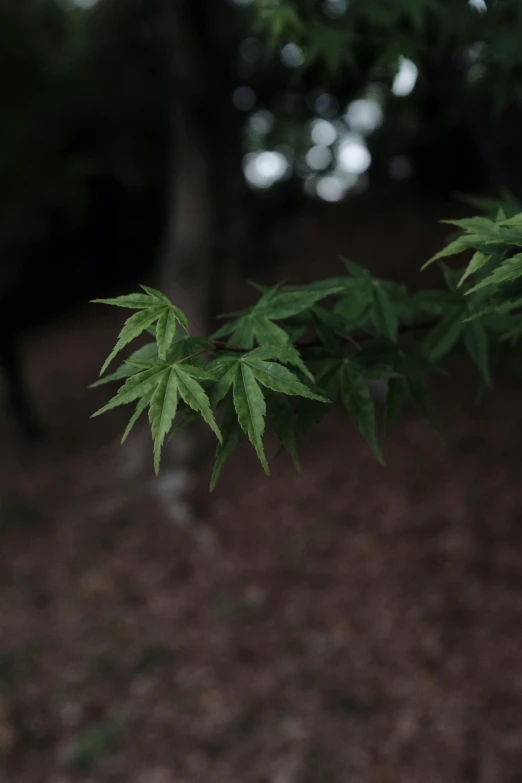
(349, 623)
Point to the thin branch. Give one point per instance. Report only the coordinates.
(222, 345)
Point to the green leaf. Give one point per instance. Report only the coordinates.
(138, 385)
(132, 301)
(510, 269)
(180, 317)
(140, 407)
(328, 327)
(419, 394)
(188, 417)
(268, 292)
(186, 346)
(458, 245)
(378, 351)
(124, 371)
(359, 403)
(356, 269)
(157, 295)
(353, 304)
(231, 438)
(243, 333)
(286, 354)
(225, 373)
(384, 314)
(287, 303)
(163, 406)
(328, 337)
(203, 374)
(445, 335)
(394, 401)
(308, 413)
(342, 283)
(329, 318)
(513, 334)
(143, 364)
(194, 395)
(477, 262)
(451, 277)
(250, 406)
(514, 220)
(495, 307)
(281, 419)
(165, 331)
(507, 203)
(474, 225)
(268, 333)
(279, 379)
(413, 361)
(434, 302)
(224, 331)
(132, 328)
(477, 344)
(149, 351)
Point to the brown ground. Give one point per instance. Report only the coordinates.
(350, 624)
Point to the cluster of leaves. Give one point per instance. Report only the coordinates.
(327, 32)
(334, 35)
(495, 268)
(285, 361)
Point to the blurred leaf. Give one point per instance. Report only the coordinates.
(477, 344)
(243, 333)
(421, 398)
(455, 247)
(356, 269)
(434, 302)
(281, 419)
(394, 402)
(510, 269)
(94, 743)
(354, 302)
(359, 403)
(477, 262)
(268, 333)
(232, 435)
(445, 335)
(287, 303)
(140, 408)
(384, 315)
(452, 278)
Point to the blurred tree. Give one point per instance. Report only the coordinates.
(194, 128)
(440, 78)
(423, 88)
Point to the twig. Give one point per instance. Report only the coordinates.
(221, 345)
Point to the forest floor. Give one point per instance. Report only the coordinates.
(348, 624)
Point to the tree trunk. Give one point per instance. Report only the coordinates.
(185, 265)
(205, 178)
(186, 256)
